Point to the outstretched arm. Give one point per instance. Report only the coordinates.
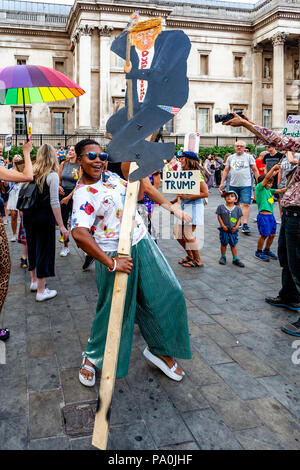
(282, 142)
(274, 170)
(16, 176)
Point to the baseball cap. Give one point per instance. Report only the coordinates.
(226, 193)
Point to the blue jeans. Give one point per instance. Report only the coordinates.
(243, 192)
(289, 255)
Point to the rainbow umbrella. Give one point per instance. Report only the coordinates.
(26, 84)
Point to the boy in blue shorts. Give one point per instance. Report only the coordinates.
(266, 222)
(229, 217)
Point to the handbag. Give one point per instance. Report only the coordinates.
(28, 196)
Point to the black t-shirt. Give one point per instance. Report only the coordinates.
(271, 160)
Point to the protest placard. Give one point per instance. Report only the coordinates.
(181, 182)
(292, 126)
(8, 141)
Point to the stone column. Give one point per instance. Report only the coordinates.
(85, 59)
(75, 40)
(257, 74)
(105, 108)
(279, 102)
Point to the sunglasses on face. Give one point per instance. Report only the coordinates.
(93, 155)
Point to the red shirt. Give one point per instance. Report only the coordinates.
(260, 166)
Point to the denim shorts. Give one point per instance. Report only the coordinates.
(243, 192)
(266, 224)
(228, 237)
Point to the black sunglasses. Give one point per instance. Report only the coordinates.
(93, 155)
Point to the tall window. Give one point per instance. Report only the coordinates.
(203, 120)
(203, 64)
(267, 118)
(20, 123)
(59, 123)
(238, 66)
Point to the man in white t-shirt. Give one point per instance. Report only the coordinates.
(240, 165)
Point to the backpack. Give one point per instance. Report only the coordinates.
(28, 196)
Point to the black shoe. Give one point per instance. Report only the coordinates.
(279, 302)
(4, 334)
(238, 263)
(222, 260)
(88, 261)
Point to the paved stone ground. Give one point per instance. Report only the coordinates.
(241, 389)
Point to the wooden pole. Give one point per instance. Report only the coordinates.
(101, 426)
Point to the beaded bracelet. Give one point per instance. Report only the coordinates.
(115, 265)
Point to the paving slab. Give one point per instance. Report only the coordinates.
(14, 433)
(235, 413)
(259, 438)
(250, 362)
(279, 420)
(43, 373)
(245, 386)
(45, 419)
(210, 431)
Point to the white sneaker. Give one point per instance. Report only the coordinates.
(47, 294)
(65, 251)
(13, 238)
(33, 286)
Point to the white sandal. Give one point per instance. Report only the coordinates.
(169, 371)
(83, 379)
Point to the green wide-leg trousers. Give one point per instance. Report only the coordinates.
(154, 299)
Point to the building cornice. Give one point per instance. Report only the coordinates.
(203, 23)
(277, 15)
(145, 10)
(271, 15)
(23, 30)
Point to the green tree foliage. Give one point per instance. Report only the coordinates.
(221, 151)
(18, 150)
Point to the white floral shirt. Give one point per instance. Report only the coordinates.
(99, 208)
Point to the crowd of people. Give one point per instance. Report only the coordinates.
(83, 193)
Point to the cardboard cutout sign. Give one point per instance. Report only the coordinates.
(159, 90)
(181, 182)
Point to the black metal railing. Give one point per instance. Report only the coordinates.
(72, 139)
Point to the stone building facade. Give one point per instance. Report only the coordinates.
(243, 57)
